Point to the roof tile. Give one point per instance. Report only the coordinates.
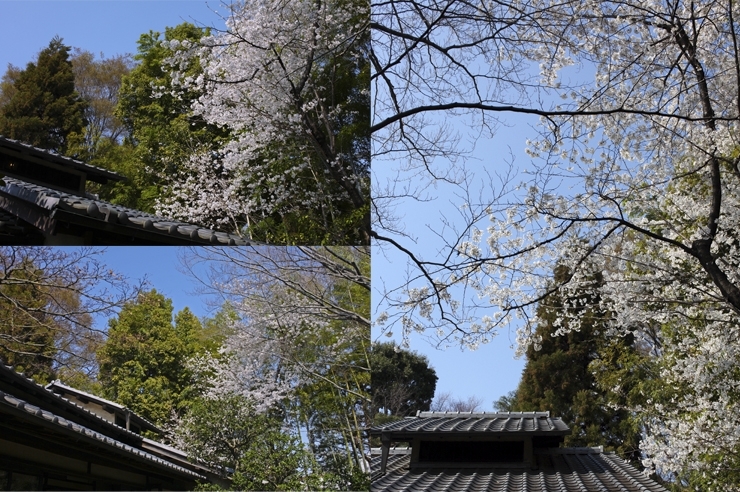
(62, 422)
(575, 471)
(509, 422)
(94, 208)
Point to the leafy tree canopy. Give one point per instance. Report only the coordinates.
(402, 381)
(141, 363)
(158, 124)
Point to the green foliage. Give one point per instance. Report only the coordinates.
(226, 432)
(26, 331)
(572, 376)
(215, 330)
(122, 159)
(332, 402)
(219, 430)
(506, 402)
(7, 86)
(141, 363)
(161, 132)
(402, 381)
(43, 108)
(311, 227)
(277, 461)
(98, 83)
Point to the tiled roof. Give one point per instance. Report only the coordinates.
(83, 418)
(93, 173)
(61, 424)
(529, 423)
(559, 470)
(27, 385)
(58, 384)
(99, 400)
(59, 203)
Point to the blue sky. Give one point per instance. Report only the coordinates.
(108, 26)
(113, 27)
(161, 267)
(491, 371)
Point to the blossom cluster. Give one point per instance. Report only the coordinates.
(267, 80)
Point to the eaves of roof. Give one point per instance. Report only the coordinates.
(19, 383)
(175, 455)
(94, 173)
(43, 207)
(506, 423)
(101, 401)
(57, 425)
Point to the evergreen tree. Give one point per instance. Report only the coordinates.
(402, 381)
(44, 109)
(559, 377)
(7, 85)
(141, 363)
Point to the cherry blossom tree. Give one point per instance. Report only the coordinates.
(634, 173)
(289, 81)
(298, 343)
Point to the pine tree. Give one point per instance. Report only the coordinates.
(44, 109)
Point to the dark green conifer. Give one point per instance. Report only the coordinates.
(45, 110)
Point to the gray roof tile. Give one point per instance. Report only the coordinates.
(548, 469)
(560, 470)
(100, 210)
(483, 422)
(68, 162)
(19, 379)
